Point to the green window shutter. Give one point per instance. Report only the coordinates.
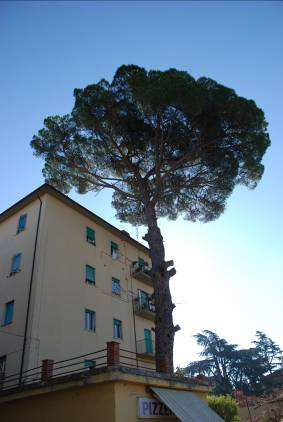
(9, 313)
(114, 246)
(114, 250)
(16, 263)
(90, 274)
(89, 363)
(22, 223)
(90, 235)
(141, 262)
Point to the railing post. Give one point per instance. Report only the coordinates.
(113, 353)
(47, 370)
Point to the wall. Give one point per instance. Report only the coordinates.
(59, 293)
(16, 287)
(109, 397)
(88, 404)
(62, 293)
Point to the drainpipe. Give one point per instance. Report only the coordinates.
(29, 293)
(134, 316)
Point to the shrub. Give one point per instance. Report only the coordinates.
(224, 406)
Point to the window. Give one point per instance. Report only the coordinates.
(9, 313)
(116, 286)
(141, 262)
(22, 223)
(2, 367)
(117, 328)
(143, 298)
(148, 341)
(89, 363)
(89, 274)
(89, 320)
(90, 235)
(16, 262)
(114, 250)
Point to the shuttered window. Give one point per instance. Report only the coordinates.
(116, 286)
(89, 320)
(117, 328)
(90, 235)
(22, 223)
(9, 313)
(89, 274)
(114, 250)
(16, 263)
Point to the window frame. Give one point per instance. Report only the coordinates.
(9, 321)
(117, 281)
(89, 239)
(119, 337)
(88, 280)
(93, 323)
(20, 227)
(89, 367)
(3, 362)
(114, 247)
(13, 270)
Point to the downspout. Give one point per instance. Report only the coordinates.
(29, 294)
(134, 317)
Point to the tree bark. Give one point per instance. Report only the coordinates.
(164, 327)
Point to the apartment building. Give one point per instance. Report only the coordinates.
(69, 283)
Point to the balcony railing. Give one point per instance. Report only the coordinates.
(83, 365)
(142, 273)
(146, 348)
(144, 309)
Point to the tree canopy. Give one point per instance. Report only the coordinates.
(231, 368)
(167, 145)
(188, 141)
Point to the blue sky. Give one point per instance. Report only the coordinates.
(229, 272)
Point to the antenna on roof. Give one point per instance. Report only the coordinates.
(137, 232)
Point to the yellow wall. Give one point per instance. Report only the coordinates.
(86, 404)
(60, 294)
(16, 287)
(102, 401)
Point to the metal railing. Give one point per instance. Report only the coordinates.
(83, 364)
(140, 306)
(138, 267)
(146, 347)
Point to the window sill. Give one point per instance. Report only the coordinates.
(7, 323)
(92, 283)
(116, 294)
(118, 339)
(19, 231)
(91, 243)
(14, 273)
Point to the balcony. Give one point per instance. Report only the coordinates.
(142, 273)
(145, 309)
(146, 349)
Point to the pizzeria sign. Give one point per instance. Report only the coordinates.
(151, 408)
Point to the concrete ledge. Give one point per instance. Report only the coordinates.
(104, 375)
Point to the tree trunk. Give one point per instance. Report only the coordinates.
(164, 328)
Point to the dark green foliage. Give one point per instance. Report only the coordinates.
(190, 140)
(168, 145)
(225, 406)
(269, 351)
(230, 368)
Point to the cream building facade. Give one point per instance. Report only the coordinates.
(69, 283)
